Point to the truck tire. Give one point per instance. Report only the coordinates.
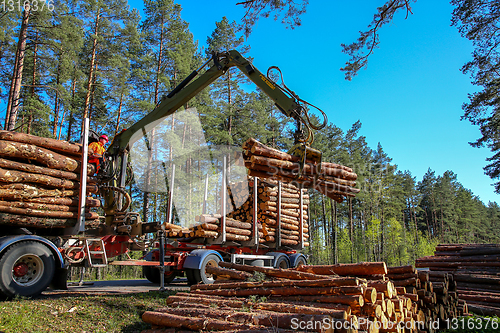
(150, 274)
(282, 262)
(153, 275)
(200, 275)
(190, 276)
(300, 261)
(26, 269)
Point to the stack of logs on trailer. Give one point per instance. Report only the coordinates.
(271, 166)
(40, 181)
(344, 297)
(239, 222)
(474, 269)
(267, 210)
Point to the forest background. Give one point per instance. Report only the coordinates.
(100, 59)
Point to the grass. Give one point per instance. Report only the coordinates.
(109, 313)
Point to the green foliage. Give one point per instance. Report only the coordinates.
(257, 299)
(114, 313)
(394, 218)
(288, 11)
(257, 277)
(479, 21)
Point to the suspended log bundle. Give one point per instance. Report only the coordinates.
(333, 180)
(40, 182)
(276, 300)
(472, 270)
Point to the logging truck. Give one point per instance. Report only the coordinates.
(46, 224)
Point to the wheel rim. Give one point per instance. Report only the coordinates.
(211, 263)
(27, 270)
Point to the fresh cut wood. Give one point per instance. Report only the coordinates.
(46, 157)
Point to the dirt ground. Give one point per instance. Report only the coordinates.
(116, 287)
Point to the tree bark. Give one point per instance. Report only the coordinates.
(359, 269)
(196, 324)
(276, 272)
(227, 273)
(23, 221)
(118, 118)
(268, 319)
(92, 65)
(17, 76)
(338, 282)
(41, 155)
(24, 191)
(33, 169)
(63, 147)
(38, 206)
(11, 176)
(45, 213)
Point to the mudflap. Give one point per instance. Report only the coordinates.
(60, 280)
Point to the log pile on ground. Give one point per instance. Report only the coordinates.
(473, 270)
(437, 300)
(352, 297)
(333, 180)
(239, 222)
(40, 181)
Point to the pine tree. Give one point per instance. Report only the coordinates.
(14, 100)
(8, 42)
(229, 116)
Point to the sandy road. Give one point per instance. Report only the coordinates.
(117, 287)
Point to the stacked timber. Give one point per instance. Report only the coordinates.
(209, 226)
(333, 180)
(438, 301)
(239, 223)
(431, 305)
(258, 299)
(40, 182)
(473, 270)
(267, 211)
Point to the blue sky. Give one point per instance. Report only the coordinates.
(408, 99)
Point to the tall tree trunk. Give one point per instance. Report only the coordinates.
(416, 228)
(92, 92)
(118, 118)
(92, 65)
(71, 114)
(56, 100)
(145, 203)
(382, 239)
(323, 213)
(17, 75)
(33, 82)
(351, 229)
(442, 224)
(229, 102)
(333, 205)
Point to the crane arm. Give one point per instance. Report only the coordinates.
(223, 61)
